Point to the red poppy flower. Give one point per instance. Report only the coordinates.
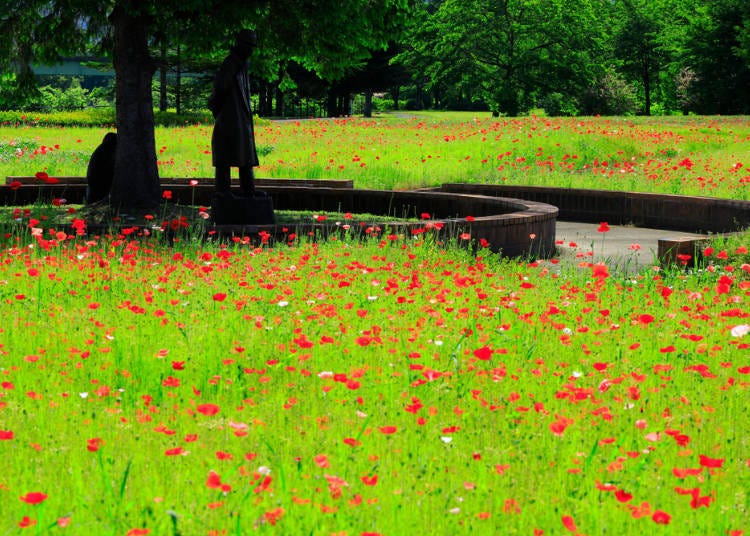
(661, 518)
(484, 353)
(34, 497)
(370, 480)
(500, 469)
(214, 482)
(15, 185)
(705, 461)
(684, 473)
(93, 444)
(603, 227)
(208, 409)
(645, 318)
(220, 296)
(171, 381)
(387, 430)
(623, 496)
(264, 484)
(558, 427)
(167, 194)
(569, 523)
(6, 435)
(27, 522)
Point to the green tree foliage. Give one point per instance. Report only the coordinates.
(638, 46)
(325, 36)
(506, 53)
(717, 52)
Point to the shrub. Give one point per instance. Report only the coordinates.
(557, 104)
(611, 94)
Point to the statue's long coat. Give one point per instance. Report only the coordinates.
(233, 140)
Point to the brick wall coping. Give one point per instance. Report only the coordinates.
(691, 214)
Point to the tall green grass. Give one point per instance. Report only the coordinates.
(376, 386)
(383, 386)
(679, 155)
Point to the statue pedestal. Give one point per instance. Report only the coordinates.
(228, 209)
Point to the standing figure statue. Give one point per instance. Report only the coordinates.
(233, 140)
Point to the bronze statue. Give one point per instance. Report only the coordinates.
(101, 169)
(233, 140)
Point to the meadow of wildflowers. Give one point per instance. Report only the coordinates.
(679, 155)
(376, 386)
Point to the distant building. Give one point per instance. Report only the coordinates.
(93, 72)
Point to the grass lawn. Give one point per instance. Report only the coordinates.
(680, 155)
(380, 386)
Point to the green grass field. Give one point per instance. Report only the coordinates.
(380, 386)
(679, 155)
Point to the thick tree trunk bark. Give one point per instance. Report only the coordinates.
(331, 103)
(178, 82)
(279, 101)
(367, 112)
(136, 180)
(163, 78)
(647, 90)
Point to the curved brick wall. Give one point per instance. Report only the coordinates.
(513, 226)
(659, 211)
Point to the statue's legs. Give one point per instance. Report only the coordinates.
(223, 180)
(247, 180)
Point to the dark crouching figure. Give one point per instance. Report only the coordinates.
(101, 170)
(233, 140)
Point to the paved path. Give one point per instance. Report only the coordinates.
(622, 247)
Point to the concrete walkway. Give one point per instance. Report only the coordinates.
(622, 247)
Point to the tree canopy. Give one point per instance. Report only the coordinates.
(325, 36)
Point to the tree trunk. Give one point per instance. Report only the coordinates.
(647, 90)
(163, 77)
(268, 108)
(136, 179)
(178, 83)
(367, 112)
(331, 103)
(280, 93)
(279, 101)
(395, 93)
(261, 109)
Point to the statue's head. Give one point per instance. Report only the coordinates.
(246, 41)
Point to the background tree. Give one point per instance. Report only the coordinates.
(506, 52)
(718, 55)
(638, 45)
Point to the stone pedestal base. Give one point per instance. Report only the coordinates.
(228, 209)
(680, 251)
